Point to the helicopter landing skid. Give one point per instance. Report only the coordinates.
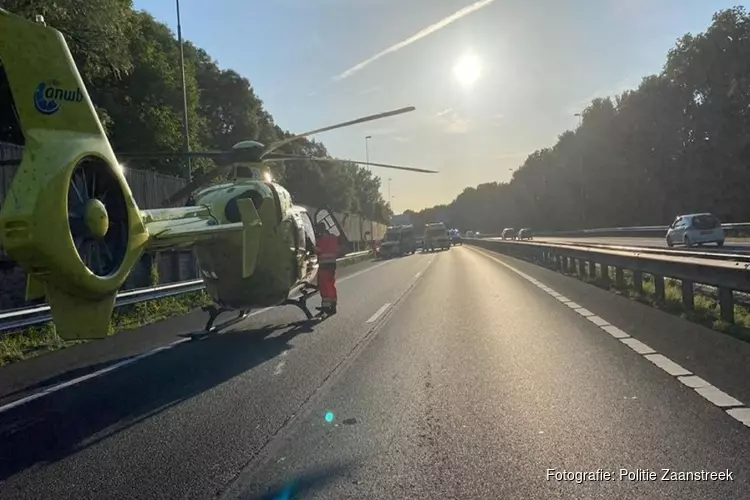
(213, 315)
(301, 301)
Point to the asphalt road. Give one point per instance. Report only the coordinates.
(732, 245)
(446, 375)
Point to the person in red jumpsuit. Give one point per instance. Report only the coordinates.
(327, 249)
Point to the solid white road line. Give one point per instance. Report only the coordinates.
(737, 410)
(377, 314)
(139, 357)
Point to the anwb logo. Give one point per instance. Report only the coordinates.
(47, 98)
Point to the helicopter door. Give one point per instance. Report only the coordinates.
(324, 215)
(309, 227)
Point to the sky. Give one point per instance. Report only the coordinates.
(526, 67)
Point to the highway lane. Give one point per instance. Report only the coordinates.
(443, 376)
(732, 245)
(477, 384)
(183, 422)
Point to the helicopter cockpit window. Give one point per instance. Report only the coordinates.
(232, 211)
(245, 172)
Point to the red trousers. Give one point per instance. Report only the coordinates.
(327, 286)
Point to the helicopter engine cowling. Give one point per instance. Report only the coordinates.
(69, 218)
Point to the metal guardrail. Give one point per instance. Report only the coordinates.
(17, 319)
(740, 257)
(727, 276)
(634, 231)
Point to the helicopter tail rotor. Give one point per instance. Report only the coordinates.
(69, 218)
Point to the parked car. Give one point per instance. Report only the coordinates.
(695, 229)
(525, 234)
(509, 233)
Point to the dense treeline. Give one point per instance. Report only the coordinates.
(679, 143)
(131, 66)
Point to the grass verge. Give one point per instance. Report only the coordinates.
(24, 344)
(30, 342)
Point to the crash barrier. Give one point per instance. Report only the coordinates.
(18, 319)
(740, 257)
(734, 229)
(727, 276)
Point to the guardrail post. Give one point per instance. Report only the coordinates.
(592, 269)
(176, 268)
(638, 281)
(688, 295)
(726, 304)
(605, 273)
(619, 277)
(659, 287)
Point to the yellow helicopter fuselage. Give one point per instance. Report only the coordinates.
(285, 257)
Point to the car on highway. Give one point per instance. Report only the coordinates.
(525, 234)
(398, 241)
(509, 233)
(436, 237)
(695, 229)
(456, 237)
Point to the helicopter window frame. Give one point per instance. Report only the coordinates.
(299, 232)
(277, 201)
(309, 229)
(232, 211)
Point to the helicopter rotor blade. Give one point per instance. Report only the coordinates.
(285, 157)
(276, 145)
(196, 183)
(170, 154)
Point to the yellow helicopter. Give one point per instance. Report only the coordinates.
(70, 220)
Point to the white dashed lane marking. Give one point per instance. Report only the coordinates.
(584, 312)
(377, 314)
(667, 365)
(597, 321)
(638, 346)
(736, 408)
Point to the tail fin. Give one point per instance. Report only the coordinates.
(69, 218)
(251, 227)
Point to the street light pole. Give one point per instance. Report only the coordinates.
(185, 130)
(367, 150)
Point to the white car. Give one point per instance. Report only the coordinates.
(695, 229)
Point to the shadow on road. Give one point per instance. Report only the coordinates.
(55, 426)
(301, 485)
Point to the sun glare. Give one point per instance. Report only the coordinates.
(467, 70)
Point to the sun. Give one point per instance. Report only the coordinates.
(467, 69)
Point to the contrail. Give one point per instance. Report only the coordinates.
(427, 31)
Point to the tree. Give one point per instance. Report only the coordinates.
(131, 66)
(678, 143)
